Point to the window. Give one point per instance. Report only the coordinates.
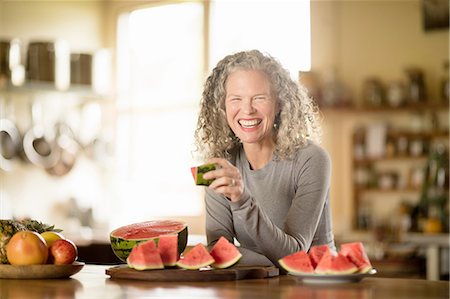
(161, 55)
(281, 28)
(160, 74)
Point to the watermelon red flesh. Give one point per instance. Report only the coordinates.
(297, 263)
(168, 249)
(356, 253)
(324, 265)
(126, 237)
(225, 254)
(145, 256)
(194, 173)
(196, 258)
(340, 264)
(316, 253)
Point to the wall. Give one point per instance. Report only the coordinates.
(78, 22)
(384, 37)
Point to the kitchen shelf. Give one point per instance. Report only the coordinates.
(406, 158)
(74, 95)
(425, 106)
(397, 163)
(386, 191)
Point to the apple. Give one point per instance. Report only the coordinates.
(63, 252)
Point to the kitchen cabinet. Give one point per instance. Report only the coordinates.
(97, 253)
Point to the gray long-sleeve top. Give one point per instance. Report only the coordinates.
(285, 207)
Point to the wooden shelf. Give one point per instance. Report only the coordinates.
(402, 109)
(380, 190)
(366, 161)
(395, 161)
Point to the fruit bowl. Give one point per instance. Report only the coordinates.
(40, 271)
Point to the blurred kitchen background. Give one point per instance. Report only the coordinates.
(98, 103)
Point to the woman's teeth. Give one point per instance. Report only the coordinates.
(249, 123)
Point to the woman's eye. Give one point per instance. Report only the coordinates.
(260, 98)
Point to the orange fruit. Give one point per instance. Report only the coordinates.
(26, 248)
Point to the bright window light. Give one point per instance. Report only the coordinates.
(280, 28)
(160, 74)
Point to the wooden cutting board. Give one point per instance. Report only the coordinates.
(204, 274)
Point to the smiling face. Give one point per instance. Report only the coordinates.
(250, 107)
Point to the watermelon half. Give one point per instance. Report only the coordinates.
(196, 258)
(198, 171)
(225, 254)
(357, 254)
(124, 238)
(145, 256)
(297, 263)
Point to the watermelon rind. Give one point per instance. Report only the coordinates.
(297, 263)
(356, 253)
(324, 265)
(199, 171)
(341, 265)
(145, 256)
(225, 254)
(196, 258)
(123, 239)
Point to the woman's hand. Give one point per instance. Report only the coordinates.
(227, 179)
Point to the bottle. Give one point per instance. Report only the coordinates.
(416, 85)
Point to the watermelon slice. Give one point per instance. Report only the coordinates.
(316, 253)
(197, 174)
(196, 258)
(340, 264)
(324, 265)
(225, 254)
(168, 249)
(145, 256)
(124, 238)
(297, 263)
(357, 254)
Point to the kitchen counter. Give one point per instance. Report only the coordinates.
(92, 282)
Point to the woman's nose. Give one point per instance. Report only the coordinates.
(247, 106)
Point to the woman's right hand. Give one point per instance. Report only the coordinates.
(227, 179)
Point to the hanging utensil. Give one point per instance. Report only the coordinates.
(67, 149)
(38, 148)
(10, 140)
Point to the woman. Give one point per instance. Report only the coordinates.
(271, 187)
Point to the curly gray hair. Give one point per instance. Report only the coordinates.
(297, 121)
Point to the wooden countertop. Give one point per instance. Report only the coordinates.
(91, 282)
